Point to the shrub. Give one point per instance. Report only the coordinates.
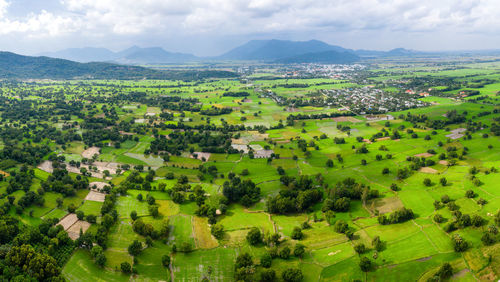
(292, 275)
(254, 236)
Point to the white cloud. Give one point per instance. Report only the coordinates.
(107, 19)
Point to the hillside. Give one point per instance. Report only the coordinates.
(277, 49)
(154, 55)
(132, 55)
(14, 66)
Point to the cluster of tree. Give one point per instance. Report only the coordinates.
(238, 191)
(33, 252)
(340, 196)
(246, 270)
(178, 142)
(397, 216)
(236, 94)
(300, 196)
(24, 153)
(216, 111)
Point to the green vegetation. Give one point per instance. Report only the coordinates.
(267, 176)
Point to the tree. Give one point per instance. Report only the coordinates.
(438, 218)
(165, 260)
(459, 244)
(280, 170)
(96, 250)
(91, 218)
(80, 215)
(100, 260)
(186, 247)
(133, 215)
(427, 182)
(443, 181)
(470, 194)
(254, 236)
(377, 243)
(266, 260)
(243, 260)
(153, 210)
(285, 253)
(444, 272)
(107, 221)
(299, 250)
(488, 239)
(365, 264)
(268, 275)
(126, 267)
(477, 220)
(360, 248)
(135, 248)
(292, 275)
(329, 163)
(217, 230)
(340, 226)
(297, 233)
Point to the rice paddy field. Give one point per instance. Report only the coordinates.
(155, 145)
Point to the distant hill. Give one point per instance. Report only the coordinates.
(284, 51)
(86, 54)
(132, 55)
(14, 66)
(278, 49)
(326, 57)
(154, 55)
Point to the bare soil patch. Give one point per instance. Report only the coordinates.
(428, 170)
(97, 185)
(90, 152)
(240, 141)
(424, 259)
(67, 221)
(95, 196)
(46, 166)
(386, 205)
(261, 154)
(461, 273)
(383, 138)
(343, 119)
(443, 162)
(200, 156)
(239, 147)
(74, 230)
(455, 136)
(424, 155)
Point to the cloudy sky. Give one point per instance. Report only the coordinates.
(210, 27)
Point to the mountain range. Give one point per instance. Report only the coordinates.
(272, 51)
(14, 66)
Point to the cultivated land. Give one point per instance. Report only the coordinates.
(377, 172)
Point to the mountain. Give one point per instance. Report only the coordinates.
(84, 55)
(132, 55)
(326, 57)
(14, 66)
(397, 52)
(277, 49)
(153, 55)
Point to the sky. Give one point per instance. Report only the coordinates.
(211, 27)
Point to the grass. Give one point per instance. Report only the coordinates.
(414, 250)
(80, 267)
